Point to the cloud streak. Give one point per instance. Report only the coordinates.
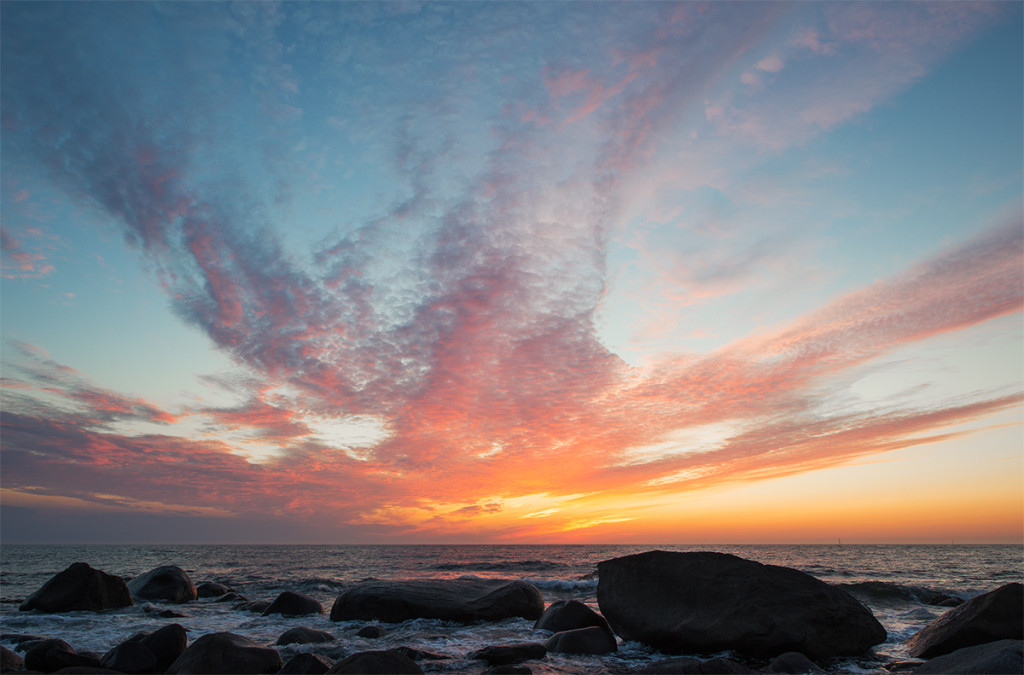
(463, 317)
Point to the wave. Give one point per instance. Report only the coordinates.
(884, 591)
(502, 566)
(565, 585)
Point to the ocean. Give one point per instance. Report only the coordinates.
(561, 572)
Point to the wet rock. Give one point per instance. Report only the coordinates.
(79, 587)
(231, 596)
(130, 657)
(293, 603)
(167, 644)
(690, 666)
(87, 670)
(371, 631)
(568, 615)
(996, 615)
(590, 640)
(306, 664)
(496, 655)
(304, 636)
(168, 583)
(689, 602)
(48, 656)
(226, 653)
(1002, 657)
(419, 654)
(211, 589)
(257, 606)
(9, 660)
(460, 600)
(794, 663)
(163, 613)
(377, 663)
(509, 669)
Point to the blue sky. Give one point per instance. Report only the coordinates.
(271, 265)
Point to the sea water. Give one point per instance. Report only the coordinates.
(560, 572)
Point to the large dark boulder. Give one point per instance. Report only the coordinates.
(167, 644)
(461, 600)
(169, 583)
(996, 615)
(303, 635)
(79, 587)
(130, 657)
(226, 653)
(589, 640)
(1003, 657)
(569, 615)
(705, 603)
(507, 654)
(293, 603)
(377, 663)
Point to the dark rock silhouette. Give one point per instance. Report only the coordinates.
(79, 587)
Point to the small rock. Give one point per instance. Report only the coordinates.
(497, 655)
(230, 597)
(371, 631)
(303, 635)
(509, 669)
(305, 663)
(49, 656)
(794, 663)
(292, 603)
(377, 663)
(690, 666)
(257, 606)
(211, 589)
(590, 640)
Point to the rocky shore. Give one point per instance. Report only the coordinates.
(704, 612)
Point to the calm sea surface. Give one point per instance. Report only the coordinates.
(561, 572)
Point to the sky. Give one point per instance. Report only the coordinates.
(516, 272)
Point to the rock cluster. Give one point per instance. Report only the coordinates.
(772, 620)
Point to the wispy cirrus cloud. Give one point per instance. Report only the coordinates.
(461, 319)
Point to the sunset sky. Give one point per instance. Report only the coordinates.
(512, 272)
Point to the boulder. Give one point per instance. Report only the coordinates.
(169, 583)
(793, 663)
(377, 663)
(79, 587)
(996, 615)
(226, 653)
(9, 660)
(130, 657)
(499, 655)
(292, 603)
(167, 644)
(211, 589)
(710, 602)
(460, 600)
(589, 640)
(690, 666)
(302, 635)
(48, 656)
(569, 614)
(1002, 657)
(305, 663)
